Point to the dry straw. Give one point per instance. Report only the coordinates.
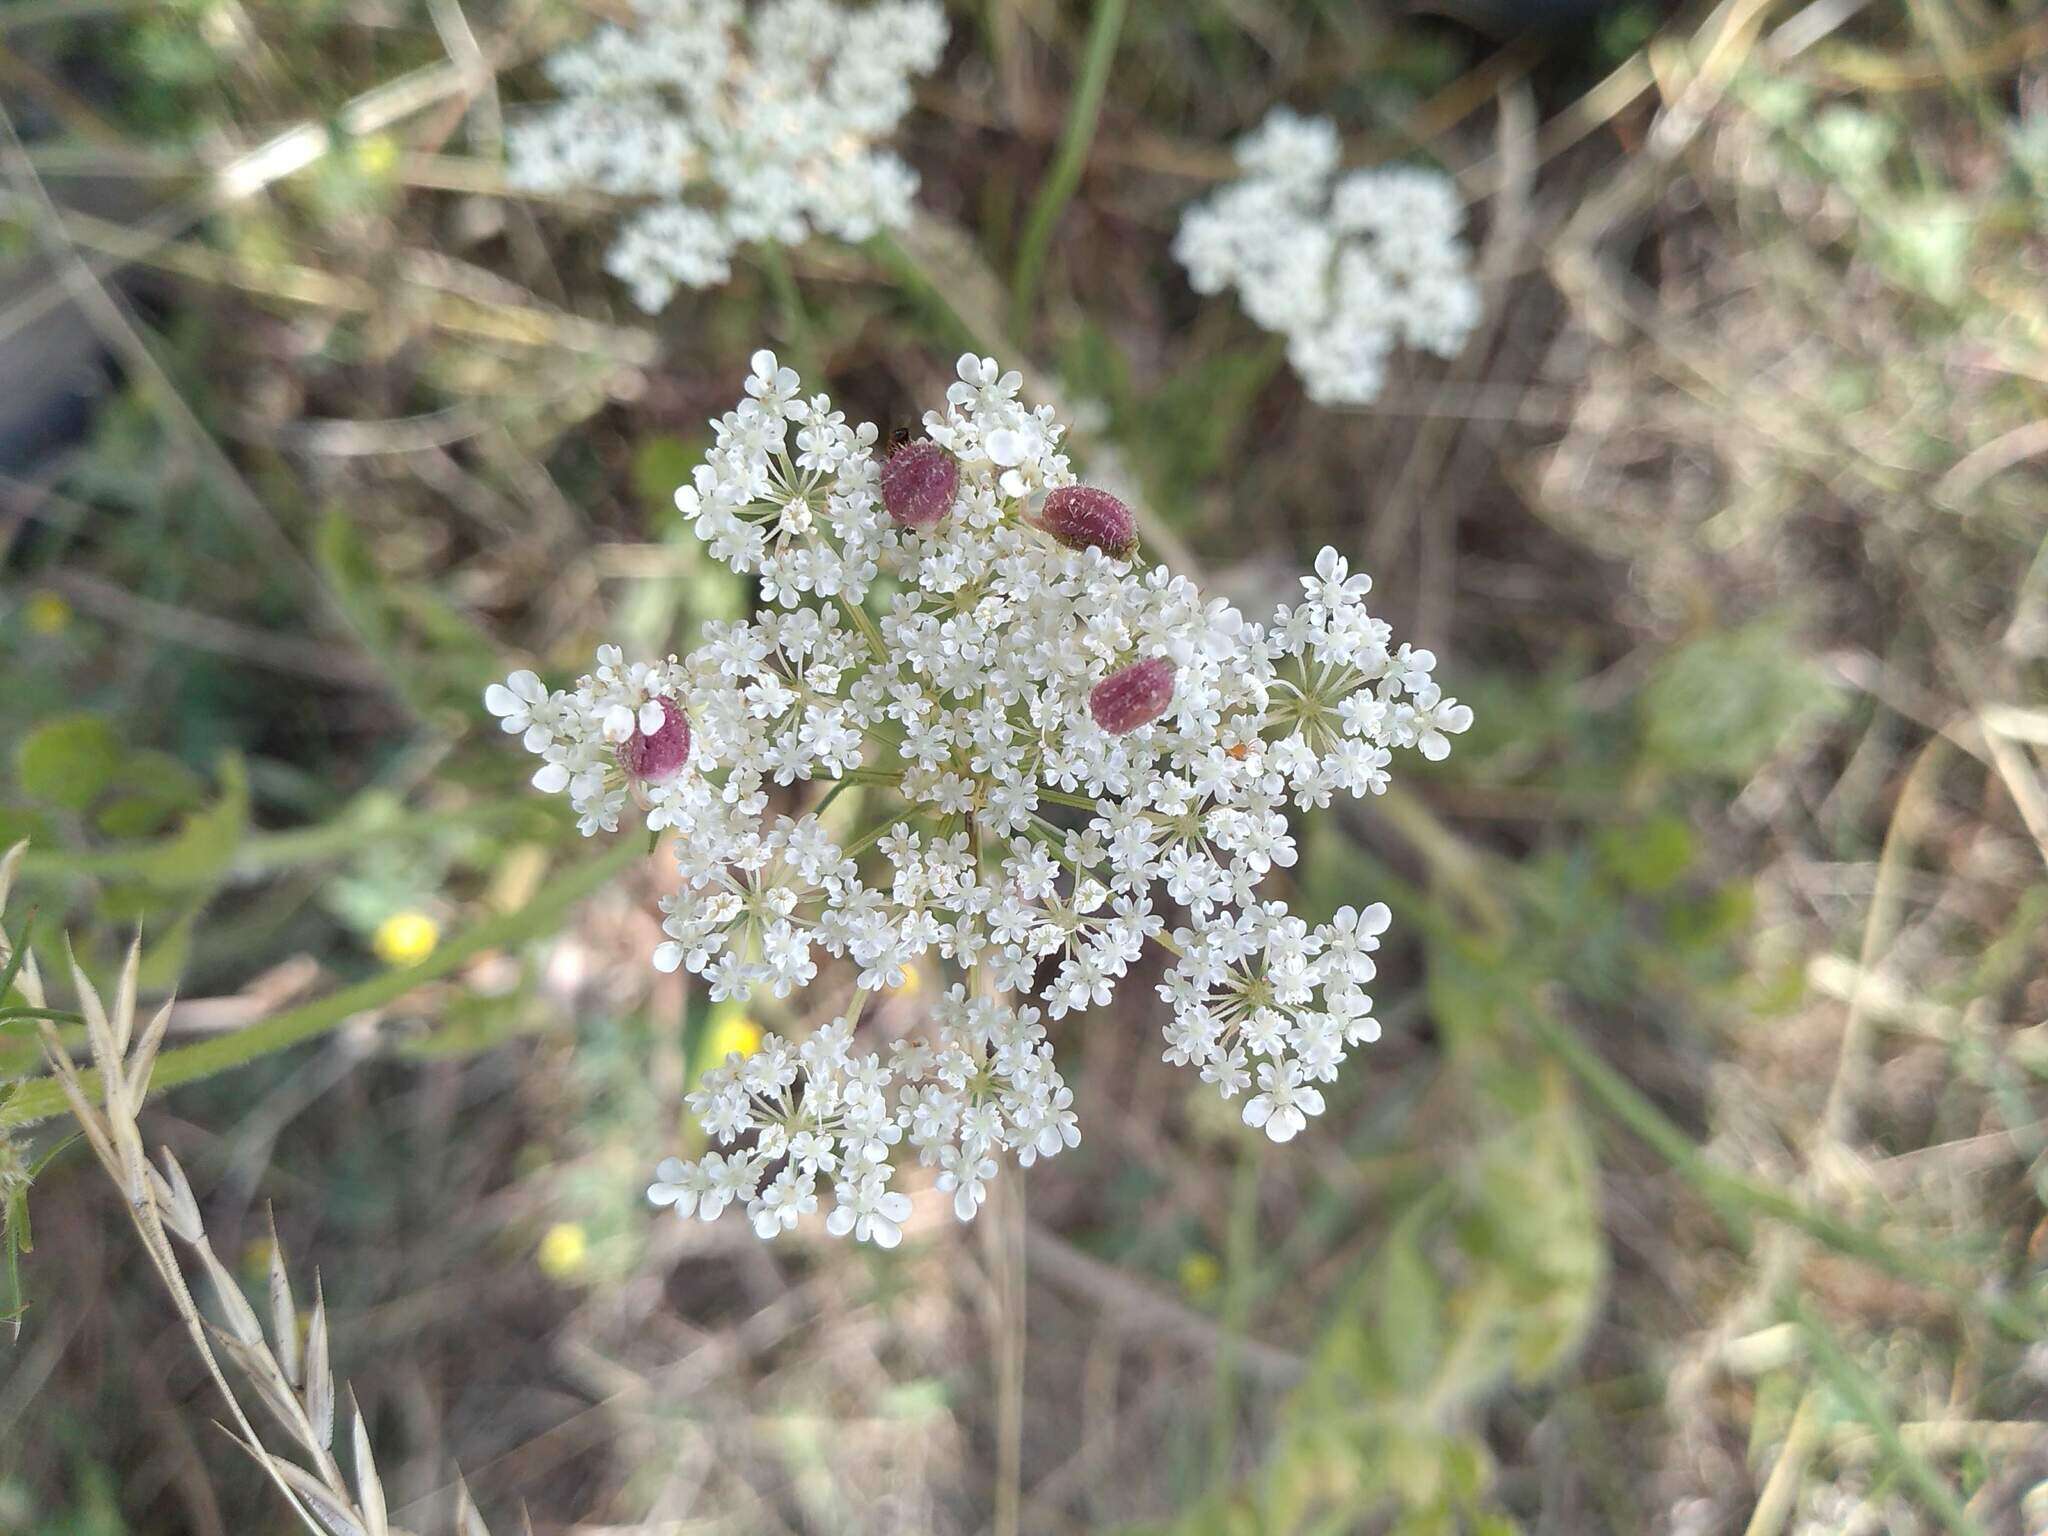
(290, 1371)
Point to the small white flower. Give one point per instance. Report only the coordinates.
(1283, 1103)
(521, 704)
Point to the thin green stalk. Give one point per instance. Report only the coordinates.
(1735, 1197)
(263, 853)
(796, 320)
(17, 957)
(42, 1098)
(1867, 1398)
(1240, 1257)
(54, 1015)
(939, 310)
(1104, 29)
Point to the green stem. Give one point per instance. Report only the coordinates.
(41, 1098)
(908, 275)
(1077, 802)
(866, 625)
(1058, 187)
(1865, 1396)
(262, 853)
(1735, 1196)
(54, 1015)
(1241, 1257)
(796, 321)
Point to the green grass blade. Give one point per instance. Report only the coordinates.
(1057, 189)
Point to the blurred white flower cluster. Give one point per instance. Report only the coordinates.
(735, 123)
(1055, 744)
(1346, 265)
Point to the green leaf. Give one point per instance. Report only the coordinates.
(660, 465)
(18, 825)
(148, 790)
(1649, 857)
(166, 952)
(1410, 1311)
(68, 761)
(1726, 703)
(203, 847)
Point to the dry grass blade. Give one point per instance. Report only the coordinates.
(319, 1375)
(334, 1515)
(467, 1521)
(123, 1018)
(284, 1316)
(8, 865)
(99, 1032)
(143, 1056)
(256, 1364)
(369, 1486)
(162, 1205)
(227, 1291)
(89, 1121)
(175, 1202)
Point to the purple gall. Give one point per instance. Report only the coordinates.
(660, 757)
(1082, 517)
(918, 483)
(1133, 696)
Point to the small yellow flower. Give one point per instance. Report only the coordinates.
(735, 1032)
(1200, 1274)
(377, 155)
(405, 938)
(46, 613)
(911, 984)
(564, 1250)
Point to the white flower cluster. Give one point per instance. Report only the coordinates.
(1345, 266)
(984, 1084)
(1053, 744)
(735, 124)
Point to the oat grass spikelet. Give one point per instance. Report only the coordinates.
(288, 1371)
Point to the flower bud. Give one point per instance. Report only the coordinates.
(659, 757)
(918, 482)
(1082, 517)
(1133, 696)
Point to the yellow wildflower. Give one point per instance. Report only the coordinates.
(405, 938)
(564, 1250)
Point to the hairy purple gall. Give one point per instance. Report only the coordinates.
(657, 758)
(1082, 517)
(918, 482)
(1133, 696)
